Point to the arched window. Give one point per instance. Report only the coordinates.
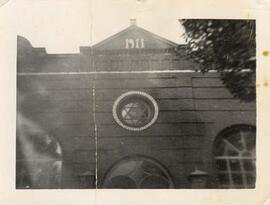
(138, 172)
(235, 157)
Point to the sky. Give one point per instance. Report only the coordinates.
(63, 26)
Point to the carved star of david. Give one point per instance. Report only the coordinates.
(136, 113)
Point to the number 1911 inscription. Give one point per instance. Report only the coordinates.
(135, 43)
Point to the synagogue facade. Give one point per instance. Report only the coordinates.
(129, 112)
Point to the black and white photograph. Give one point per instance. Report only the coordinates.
(134, 102)
(139, 111)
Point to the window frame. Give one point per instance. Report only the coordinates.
(135, 94)
(110, 172)
(226, 133)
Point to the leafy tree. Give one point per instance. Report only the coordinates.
(228, 46)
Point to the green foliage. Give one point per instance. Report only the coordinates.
(228, 46)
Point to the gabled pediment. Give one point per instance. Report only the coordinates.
(135, 37)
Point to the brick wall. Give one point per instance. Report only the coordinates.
(193, 109)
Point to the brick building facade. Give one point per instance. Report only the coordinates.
(70, 102)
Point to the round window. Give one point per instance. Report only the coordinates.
(135, 110)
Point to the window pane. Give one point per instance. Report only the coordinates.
(221, 164)
(235, 165)
(154, 182)
(248, 165)
(237, 179)
(223, 179)
(121, 182)
(251, 179)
